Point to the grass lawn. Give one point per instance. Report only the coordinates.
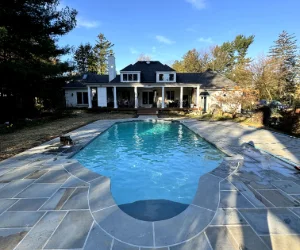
(28, 137)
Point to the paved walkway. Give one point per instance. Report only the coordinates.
(48, 201)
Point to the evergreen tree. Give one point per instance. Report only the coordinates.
(85, 58)
(102, 49)
(285, 52)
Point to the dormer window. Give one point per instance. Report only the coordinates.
(130, 77)
(166, 77)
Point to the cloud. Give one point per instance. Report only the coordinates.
(133, 51)
(205, 40)
(163, 39)
(84, 23)
(198, 4)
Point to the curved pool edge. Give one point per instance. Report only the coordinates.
(126, 229)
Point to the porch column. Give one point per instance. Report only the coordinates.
(181, 97)
(136, 101)
(115, 98)
(90, 97)
(162, 97)
(197, 97)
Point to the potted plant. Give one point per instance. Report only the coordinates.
(192, 105)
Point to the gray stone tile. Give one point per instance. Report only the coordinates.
(272, 221)
(13, 188)
(282, 242)
(75, 182)
(245, 238)
(228, 217)
(54, 176)
(27, 205)
(4, 170)
(225, 168)
(36, 174)
(289, 187)
(233, 199)
(219, 238)
(9, 238)
(261, 185)
(226, 185)
(100, 196)
(296, 211)
(38, 236)
(6, 203)
(58, 199)
(39, 191)
(81, 172)
(72, 231)
(296, 197)
(19, 219)
(117, 245)
(198, 243)
(182, 227)
(98, 237)
(156, 248)
(124, 227)
(77, 200)
(278, 199)
(16, 174)
(208, 186)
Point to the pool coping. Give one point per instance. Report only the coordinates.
(131, 231)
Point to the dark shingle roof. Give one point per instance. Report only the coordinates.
(208, 79)
(79, 82)
(148, 69)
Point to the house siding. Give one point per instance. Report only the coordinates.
(71, 98)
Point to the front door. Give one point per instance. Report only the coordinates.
(148, 99)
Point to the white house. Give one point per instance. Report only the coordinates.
(146, 84)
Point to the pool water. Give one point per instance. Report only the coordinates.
(153, 160)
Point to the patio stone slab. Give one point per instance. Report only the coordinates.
(54, 176)
(261, 185)
(98, 237)
(208, 186)
(296, 197)
(39, 191)
(4, 170)
(246, 238)
(58, 199)
(199, 242)
(117, 245)
(36, 174)
(100, 196)
(228, 217)
(13, 188)
(38, 236)
(182, 227)
(81, 172)
(77, 200)
(289, 187)
(19, 219)
(233, 199)
(27, 205)
(278, 199)
(219, 238)
(124, 227)
(272, 221)
(74, 183)
(72, 231)
(296, 211)
(282, 242)
(9, 238)
(158, 248)
(6, 203)
(226, 185)
(16, 174)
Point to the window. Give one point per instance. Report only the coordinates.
(170, 95)
(82, 98)
(171, 77)
(166, 77)
(161, 77)
(130, 77)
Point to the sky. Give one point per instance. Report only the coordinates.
(166, 29)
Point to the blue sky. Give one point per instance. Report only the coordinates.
(166, 29)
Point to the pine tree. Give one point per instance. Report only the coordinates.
(284, 51)
(85, 58)
(102, 49)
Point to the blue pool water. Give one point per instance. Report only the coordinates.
(150, 161)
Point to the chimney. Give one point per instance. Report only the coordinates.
(112, 73)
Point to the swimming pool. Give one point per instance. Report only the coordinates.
(153, 160)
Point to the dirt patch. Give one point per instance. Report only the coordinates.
(23, 139)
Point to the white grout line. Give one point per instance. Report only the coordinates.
(104, 208)
(208, 241)
(245, 196)
(112, 244)
(153, 234)
(31, 229)
(68, 198)
(294, 212)
(9, 207)
(86, 239)
(203, 208)
(54, 230)
(237, 244)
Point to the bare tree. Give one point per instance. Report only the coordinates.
(144, 58)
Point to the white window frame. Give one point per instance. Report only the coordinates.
(82, 98)
(166, 76)
(138, 73)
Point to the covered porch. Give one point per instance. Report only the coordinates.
(181, 96)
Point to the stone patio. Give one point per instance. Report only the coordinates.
(251, 201)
